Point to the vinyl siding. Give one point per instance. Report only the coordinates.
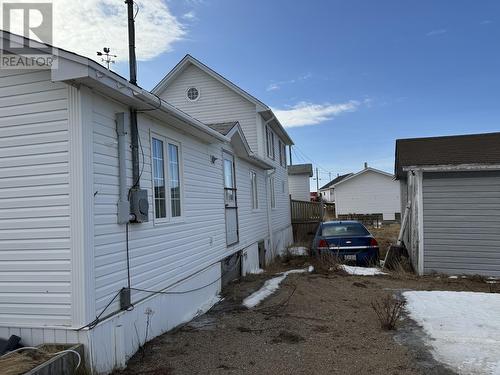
(462, 223)
(299, 188)
(217, 103)
(35, 278)
(161, 254)
(368, 193)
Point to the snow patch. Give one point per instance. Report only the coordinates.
(269, 287)
(464, 328)
(361, 271)
(298, 250)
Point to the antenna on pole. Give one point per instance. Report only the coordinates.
(108, 58)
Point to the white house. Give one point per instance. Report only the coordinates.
(299, 178)
(451, 185)
(206, 179)
(369, 191)
(327, 190)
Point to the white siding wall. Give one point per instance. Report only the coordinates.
(368, 193)
(163, 253)
(328, 195)
(35, 270)
(299, 187)
(217, 103)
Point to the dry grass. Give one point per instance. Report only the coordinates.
(386, 236)
(21, 362)
(388, 311)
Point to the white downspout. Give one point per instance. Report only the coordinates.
(269, 211)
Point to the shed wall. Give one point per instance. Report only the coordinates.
(462, 223)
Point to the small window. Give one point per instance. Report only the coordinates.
(283, 187)
(159, 180)
(273, 195)
(193, 94)
(282, 148)
(270, 143)
(174, 180)
(255, 199)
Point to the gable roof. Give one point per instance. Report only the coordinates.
(298, 169)
(223, 127)
(368, 169)
(447, 150)
(262, 108)
(335, 181)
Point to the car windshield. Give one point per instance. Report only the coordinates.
(342, 230)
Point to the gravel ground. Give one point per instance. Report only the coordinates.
(314, 324)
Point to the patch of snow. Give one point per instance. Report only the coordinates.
(464, 328)
(452, 277)
(362, 271)
(256, 271)
(298, 250)
(269, 287)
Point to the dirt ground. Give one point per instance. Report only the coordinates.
(314, 324)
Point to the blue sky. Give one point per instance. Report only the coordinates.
(364, 72)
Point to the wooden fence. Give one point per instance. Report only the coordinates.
(306, 217)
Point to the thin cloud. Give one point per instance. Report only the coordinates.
(486, 22)
(87, 26)
(306, 114)
(436, 32)
(190, 16)
(277, 85)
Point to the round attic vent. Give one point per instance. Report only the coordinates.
(192, 94)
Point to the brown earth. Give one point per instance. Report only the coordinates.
(314, 324)
(386, 236)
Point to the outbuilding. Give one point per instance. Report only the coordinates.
(451, 185)
(299, 178)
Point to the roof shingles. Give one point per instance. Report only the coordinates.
(448, 150)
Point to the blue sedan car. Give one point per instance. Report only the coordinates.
(350, 241)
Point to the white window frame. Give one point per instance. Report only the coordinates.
(272, 187)
(282, 148)
(254, 190)
(270, 143)
(166, 164)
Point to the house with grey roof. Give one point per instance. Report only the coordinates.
(327, 190)
(451, 186)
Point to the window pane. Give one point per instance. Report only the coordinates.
(255, 203)
(174, 180)
(159, 179)
(228, 174)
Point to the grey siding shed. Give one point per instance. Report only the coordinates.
(461, 216)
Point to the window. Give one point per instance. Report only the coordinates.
(283, 187)
(174, 180)
(332, 230)
(166, 153)
(282, 147)
(270, 142)
(253, 180)
(159, 179)
(193, 94)
(273, 195)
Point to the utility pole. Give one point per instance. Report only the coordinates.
(329, 176)
(317, 181)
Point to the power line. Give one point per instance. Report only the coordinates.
(304, 156)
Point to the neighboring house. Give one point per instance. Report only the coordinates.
(212, 195)
(453, 186)
(299, 181)
(367, 192)
(327, 190)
